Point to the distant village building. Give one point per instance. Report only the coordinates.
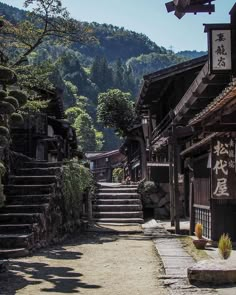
(103, 163)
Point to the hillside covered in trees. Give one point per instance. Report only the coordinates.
(113, 58)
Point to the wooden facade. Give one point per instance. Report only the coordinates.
(103, 163)
(46, 135)
(191, 115)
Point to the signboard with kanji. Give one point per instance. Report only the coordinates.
(223, 168)
(219, 48)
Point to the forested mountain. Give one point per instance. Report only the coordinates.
(117, 58)
(191, 54)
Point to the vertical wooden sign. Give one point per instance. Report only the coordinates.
(223, 168)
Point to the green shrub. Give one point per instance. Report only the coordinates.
(20, 96)
(3, 141)
(35, 105)
(147, 187)
(76, 180)
(2, 169)
(118, 174)
(225, 246)
(3, 94)
(6, 108)
(4, 131)
(12, 100)
(16, 119)
(6, 75)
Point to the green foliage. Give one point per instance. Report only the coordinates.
(3, 94)
(35, 106)
(72, 113)
(116, 110)
(6, 108)
(85, 132)
(152, 62)
(118, 174)
(48, 20)
(4, 131)
(190, 54)
(147, 187)
(2, 169)
(16, 119)
(225, 246)
(20, 96)
(3, 141)
(76, 180)
(12, 100)
(6, 75)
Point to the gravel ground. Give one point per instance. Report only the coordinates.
(92, 263)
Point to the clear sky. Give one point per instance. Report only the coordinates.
(148, 17)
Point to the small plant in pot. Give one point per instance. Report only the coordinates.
(225, 246)
(200, 242)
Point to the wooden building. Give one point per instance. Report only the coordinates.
(103, 163)
(46, 135)
(190, 113)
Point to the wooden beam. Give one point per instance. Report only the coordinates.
(213, 82)
(221, 128)
(199, 8)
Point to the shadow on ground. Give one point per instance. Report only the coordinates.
(50, 269)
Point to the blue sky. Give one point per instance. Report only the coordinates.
(148, 17)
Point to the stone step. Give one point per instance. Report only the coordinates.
(118, 202)
(26, 180)
(13, 253)
(117, 208)
(17, 189)
(35, 208)
(16, 228)
(28, 199)
(42, 164)
(9, 241)
(118, 196)
(117, 190)
(120, 220)
(119, 186)
(134, 214)
(20, 218)
(39, 171)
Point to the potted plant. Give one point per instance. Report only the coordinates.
(200, 242)
(225, 246)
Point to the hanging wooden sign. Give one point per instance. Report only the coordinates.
(223, 168)
(219, 48)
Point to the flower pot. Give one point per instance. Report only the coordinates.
(200, 243)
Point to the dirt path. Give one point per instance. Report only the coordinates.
(101, 264)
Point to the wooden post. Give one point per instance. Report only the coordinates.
(176, 181)
(171, 183)
(233, 37)
(90, 207)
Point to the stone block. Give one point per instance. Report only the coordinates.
(212, 271)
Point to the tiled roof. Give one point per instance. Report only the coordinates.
(227, 95)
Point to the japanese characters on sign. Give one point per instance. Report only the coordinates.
(223, 168)
(221, 50)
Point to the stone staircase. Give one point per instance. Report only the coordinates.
(118, 204)
(25, 218)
